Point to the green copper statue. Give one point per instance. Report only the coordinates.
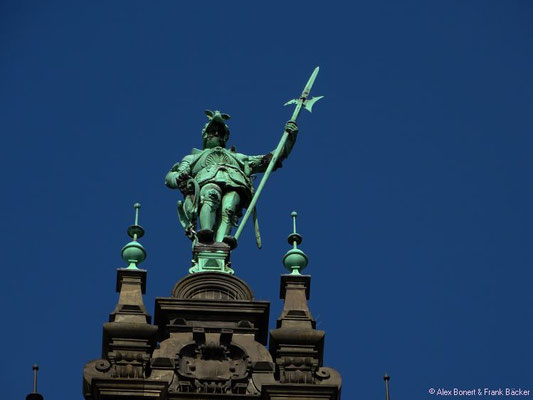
(217, 185)
(217, 182)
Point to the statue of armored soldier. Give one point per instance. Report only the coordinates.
(217, 183)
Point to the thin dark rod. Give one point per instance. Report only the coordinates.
(35, 369)
(386, 378)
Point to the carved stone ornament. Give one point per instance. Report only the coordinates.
(212, 368)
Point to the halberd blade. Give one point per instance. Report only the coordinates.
(310, 82)
(300, 102)
(308, 105)
(293, 101)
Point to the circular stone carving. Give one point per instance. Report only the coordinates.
(323, 373)
(212, 286)
(102, 365)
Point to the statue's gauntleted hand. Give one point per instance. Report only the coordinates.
(292, 128)
(181, 181)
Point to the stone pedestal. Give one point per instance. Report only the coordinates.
(212, 337)
(211, 257)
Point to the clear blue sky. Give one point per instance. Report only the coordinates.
(412, 177)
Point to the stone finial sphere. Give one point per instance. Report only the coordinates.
(133, 252)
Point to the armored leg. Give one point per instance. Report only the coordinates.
(210, 197)
(230, 208)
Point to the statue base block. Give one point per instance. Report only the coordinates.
(211, 257)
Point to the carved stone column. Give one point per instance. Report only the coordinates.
(297, 348)
(127, 345)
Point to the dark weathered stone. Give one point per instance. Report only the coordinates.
(212, 286)
(218, 301)
(127, 344)
(34, 396)
(212, 336)
(300, 392)
(296, 346)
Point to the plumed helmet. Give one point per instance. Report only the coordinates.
(216, 126)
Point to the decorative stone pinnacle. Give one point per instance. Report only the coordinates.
(133, 252)
(295, 259)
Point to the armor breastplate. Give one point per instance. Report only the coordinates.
(218, 165)
(214, 158)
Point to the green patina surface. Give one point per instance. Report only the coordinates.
(211, 261)
(217, 183)
(295, 259)
(133, 252)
